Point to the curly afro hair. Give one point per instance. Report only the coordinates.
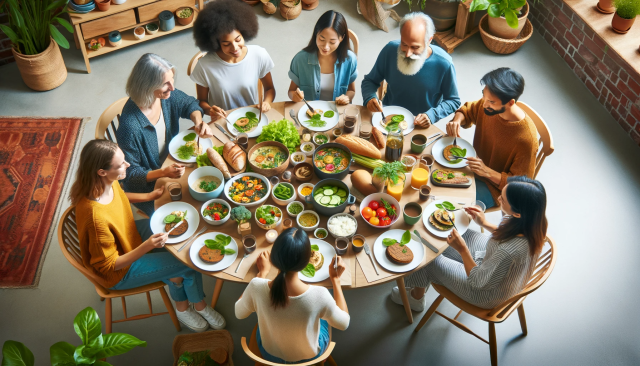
(222, 17)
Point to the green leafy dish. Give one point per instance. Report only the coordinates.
(268, 215)
(220, 243)
(247, 123)
(283, 191)
(316, 121)
(282, 131)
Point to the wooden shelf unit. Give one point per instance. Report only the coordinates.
(465, 28)
(124, 18)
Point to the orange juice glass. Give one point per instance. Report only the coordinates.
(395, 190)
(419, 177)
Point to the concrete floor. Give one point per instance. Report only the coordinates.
(583, 315)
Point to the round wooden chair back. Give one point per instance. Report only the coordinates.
(106, 126)
(545, 140)
(355, 42)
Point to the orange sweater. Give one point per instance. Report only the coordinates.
(106, 232)
(507, 147)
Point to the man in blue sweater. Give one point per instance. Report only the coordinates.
(420, 77)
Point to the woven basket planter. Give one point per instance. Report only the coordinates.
(217, 341)
(289, 9)
(500, 45)
(251, 2)
(44, 71)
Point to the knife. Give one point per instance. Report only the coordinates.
(295, 119)
(173, 228)
(260, 97)
(368, 252)
(426, 243)
(434, 140)
(434, 135)
(225, 132)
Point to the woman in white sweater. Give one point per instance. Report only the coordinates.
(293, 317)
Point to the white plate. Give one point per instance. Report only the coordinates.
(224, 263)
(178, 141)
(438, 149)
(241, 112)
(389, 110)
(328, 252)
(324, 106)
(379, 251)
(193, 218)
(462, 220)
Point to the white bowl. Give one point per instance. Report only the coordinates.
(139, 36)
(269, 226)
(303, 198)
(118, 2)
(298, 153)
(280, 202)
(315, 233)
(308, 153)
(313, 139)
(290, 204)
(376, 197)
(203, 172)
(264, 179)
(347, 215)
(210, 220)
(312, 228)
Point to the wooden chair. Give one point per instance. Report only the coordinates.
(106, 127)
(70, 245)
(253, 352)
(500, 313)
(354, 41)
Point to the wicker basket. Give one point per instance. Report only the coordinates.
(500, 45)
(44, 71)
(289, 9)
(215, 340)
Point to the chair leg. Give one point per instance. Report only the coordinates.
(101, 298)
(170, 309)
(523, 320)
(432, 309)
(405, 299)
(107, 315)
(493, 348)
(216, 292)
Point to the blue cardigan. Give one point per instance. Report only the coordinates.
(138, 140)
(305, 73)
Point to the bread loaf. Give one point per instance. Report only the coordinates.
(234, 155)
(377, 138)
(359, 146)
(218, 162)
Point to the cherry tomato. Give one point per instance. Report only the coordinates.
(216, 216)
(382, 212)
(374, 221)
(263, 221)
(374, 205)
(385, 221)
(367, 213)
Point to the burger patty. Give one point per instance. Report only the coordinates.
(178, 231)
(399, 254)
(447, 152)
(211, 256)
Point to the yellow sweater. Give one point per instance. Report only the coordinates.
(106, 232)
(507, 147)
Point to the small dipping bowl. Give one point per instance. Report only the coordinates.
(342, 244)
(337, 132)
(317, 233)
(408, 219)
(287, 223)
(320, 140)
(357, 243)
(310, 149)
(425, 192)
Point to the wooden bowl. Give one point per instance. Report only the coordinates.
(273, 171)
(300, 166)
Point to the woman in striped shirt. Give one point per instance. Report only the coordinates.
(486, 270)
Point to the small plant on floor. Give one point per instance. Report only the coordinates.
(500, 8)
(627, 9)
(95, 345)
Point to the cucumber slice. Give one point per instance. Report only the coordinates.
(328, 192)
(319, 196)
(335, 200)
(342, 200)
(325, 200)
(342, 192)
(318, 192)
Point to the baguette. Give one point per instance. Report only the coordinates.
(218, 162)
(234, 155)
(359, 146)
(377, 138)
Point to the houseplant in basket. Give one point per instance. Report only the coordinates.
(506, 17)
(290, 9)
(35, 40)
(443, 12)
(626, 12)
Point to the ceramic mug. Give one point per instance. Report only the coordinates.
(418, 143)
(412, 220)
(167, 21)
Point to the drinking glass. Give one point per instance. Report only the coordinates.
(342, 244)
(350, 117)
(480, 205)
(251, 248)
(408, 162)
(175, 191)
(274, 181)
(426, 162)
(243, 140)
(287, 223)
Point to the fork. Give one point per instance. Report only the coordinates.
(457, 157)
(192, 239)
(309, 106)
(242, 260)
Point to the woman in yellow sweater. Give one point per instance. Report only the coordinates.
(121, 252)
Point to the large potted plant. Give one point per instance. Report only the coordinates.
(35, 40)
(626, 12)
(506, 17)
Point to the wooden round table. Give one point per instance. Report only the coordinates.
(359, 272)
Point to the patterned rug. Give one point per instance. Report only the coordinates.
(35, 155)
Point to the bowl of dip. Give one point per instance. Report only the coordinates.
(205, 183)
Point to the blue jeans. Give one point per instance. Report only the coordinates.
(323, 343)
(160, 265)
(483, 194)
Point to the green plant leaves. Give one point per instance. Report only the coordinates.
(515, 4)
(117, 344)
(81, 356)
(406, 238)
(309, 270)
(387, 242)
(10, 33)
(494, 11)
(61, 354)
(16, 354)
(315, 248)
(56, 4)
(512, 18)
(58, 37)
(89, 328)
(479, 5)
(65, 24)
(446, 204)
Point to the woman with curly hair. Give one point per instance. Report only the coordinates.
(227, 76)
(326, 69)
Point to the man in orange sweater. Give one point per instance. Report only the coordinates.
(506, 140)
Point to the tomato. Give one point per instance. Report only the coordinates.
(367, 213)
(385, 221)
(374, 221)
(216, 216)
(382, 212)
(263, 221)
(374, 205)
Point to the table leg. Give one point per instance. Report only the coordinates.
(216, 292)
(75, 38)
(405, 299)
(83, 47)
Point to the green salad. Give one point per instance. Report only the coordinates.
(268, 214)
(395, 122)
(316, 121)
(282, 131)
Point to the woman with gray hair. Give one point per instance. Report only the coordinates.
(149, 120)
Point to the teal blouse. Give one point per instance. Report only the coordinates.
(305, 73)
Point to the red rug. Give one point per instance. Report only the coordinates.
(35, 155)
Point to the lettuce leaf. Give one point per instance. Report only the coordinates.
(282, 131)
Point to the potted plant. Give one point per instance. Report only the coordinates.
(626, 12)
(95, 345)
(103, 5)
(35, 40)
(290, 9)
(443, 12)
(184, 15)
(506, 17)
(312, 4)
(241, 216)
(388, 174)
(605, 6)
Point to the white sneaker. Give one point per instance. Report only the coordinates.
(192, 320)
(416, 305)
(214, 318)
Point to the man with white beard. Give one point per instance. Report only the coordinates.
(420, 77)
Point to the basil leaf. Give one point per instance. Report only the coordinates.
(387, 242)
(448, 205)
(250, 115)
(169, 219)
(190, 137)
(309, 270)
(406, 238)
(438, 205)
(315, 248)
(222, 239)
(229, 251)
(328, 114)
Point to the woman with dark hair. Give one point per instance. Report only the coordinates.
(326, 69)
(487, 270)
(123, 253)
(293, 317)
(227, 76)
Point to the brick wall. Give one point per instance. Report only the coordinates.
(5, 45)
(607, 76)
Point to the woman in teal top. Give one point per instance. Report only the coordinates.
(326, 69)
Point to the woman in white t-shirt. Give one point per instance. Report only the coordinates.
(227, 76)
(293, 317)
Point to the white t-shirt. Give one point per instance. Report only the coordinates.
(233, 85)
(327, 82)
(291, 333)
(161, 131)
